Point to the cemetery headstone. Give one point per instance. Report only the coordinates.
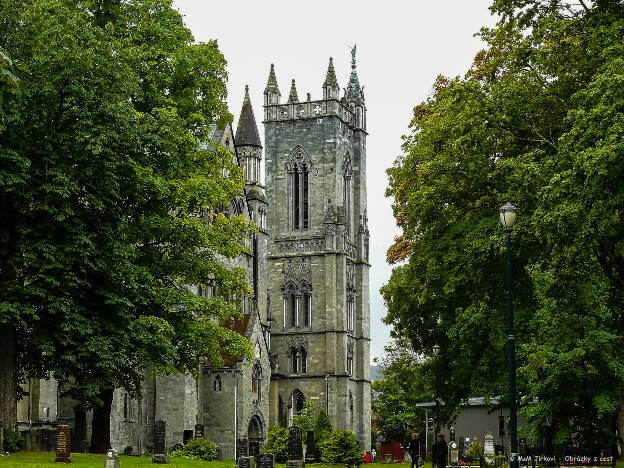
(160, 442)
(295, 448)
(218, 453)
(310, 456)
(265, 460)
(199, 431)
(177, 446)
(245, 462)
(254, 448)
(112, 459)
(242, 447)
(62, 444)
(454, 451)
(488, 447)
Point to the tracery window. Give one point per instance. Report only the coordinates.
(297, 294)
(256, 381)
(298, 168)
(346, 187)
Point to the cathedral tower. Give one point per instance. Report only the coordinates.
(318, 253)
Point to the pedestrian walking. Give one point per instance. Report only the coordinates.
(414, 449)
(442, 451)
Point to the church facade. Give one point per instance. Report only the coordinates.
(308, 321)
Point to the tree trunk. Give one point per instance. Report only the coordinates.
(100, 433)
(8, 376)
(620, 422)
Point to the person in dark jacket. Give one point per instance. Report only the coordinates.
(441, 451)
(414, 449)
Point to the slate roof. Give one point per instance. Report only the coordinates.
(247, 130)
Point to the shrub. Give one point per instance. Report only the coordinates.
(12, 441)
(196, 449)
(475, 449)
(341, 447)
(277, 443)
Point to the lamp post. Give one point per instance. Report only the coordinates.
(508, 215)
(436, 351)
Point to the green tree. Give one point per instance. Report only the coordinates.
(306, 418)
(110, 205)
(537, 121)
(404, 382)
(277, 443)
(341, 447)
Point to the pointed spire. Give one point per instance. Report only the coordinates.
(330, 78)
(247, 130)
(293, 93)
(353, 88)
(272, 82)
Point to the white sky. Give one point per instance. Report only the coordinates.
(402, 45)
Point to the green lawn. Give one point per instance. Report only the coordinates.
(87, 460)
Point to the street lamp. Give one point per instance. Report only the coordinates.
(508, 215)
(436, 351)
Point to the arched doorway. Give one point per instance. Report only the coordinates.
(254, 434)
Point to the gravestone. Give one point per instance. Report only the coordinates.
(245, 462)
(160, 442)
(454, 451)
(254, 448)
(310, 456)
(177, 446)
(112, 459)
(242, 447)
(218, 453)
(265, 460)
(199, 431)
(62, 444)
(488, 447)
(295, 448)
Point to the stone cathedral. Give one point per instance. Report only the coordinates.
(309, 319)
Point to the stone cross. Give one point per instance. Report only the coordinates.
(160, 442)
(62, 444)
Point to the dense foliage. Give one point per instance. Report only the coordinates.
(277, 443)
(196, 449)
(12, 441)
(341, 448)
(404, 381)
(538, 121)
(109, 204)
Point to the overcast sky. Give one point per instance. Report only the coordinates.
(402, 45)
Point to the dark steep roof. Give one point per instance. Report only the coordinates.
(247, 130)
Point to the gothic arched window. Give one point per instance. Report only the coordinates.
(298, 168)
(350, 358)
(351, 408)
(346, 187)
(304, 361)
(256, 381)
(307, 309)
(293, 310)
(294, 361)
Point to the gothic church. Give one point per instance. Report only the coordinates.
(309, 320)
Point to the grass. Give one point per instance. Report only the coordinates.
(89, 460)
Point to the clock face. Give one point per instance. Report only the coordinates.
(317, 109)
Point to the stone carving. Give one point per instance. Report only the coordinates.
(301, 246)
(295, 447)
(299, 159)
(346, 165)
(350, 345)
(297, 341)
(297, 271)
(350, 277)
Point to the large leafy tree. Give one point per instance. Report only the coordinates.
(111, 204)
(536, 121)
